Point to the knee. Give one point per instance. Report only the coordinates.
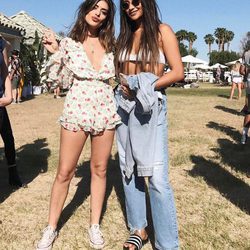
(99, 170)
(64, 176)
(160, 187)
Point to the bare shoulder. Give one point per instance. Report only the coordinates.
(165, 29)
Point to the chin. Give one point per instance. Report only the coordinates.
(94, 25)
(135, 17)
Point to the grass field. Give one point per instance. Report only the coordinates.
(208, 172)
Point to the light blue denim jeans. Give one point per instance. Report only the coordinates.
(160, 193)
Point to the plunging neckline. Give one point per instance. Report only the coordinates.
(90, 63)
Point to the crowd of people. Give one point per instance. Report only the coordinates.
(85, 63)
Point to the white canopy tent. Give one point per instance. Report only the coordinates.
(233, 62)
(202, 66)
(215, 66)
(193, 60)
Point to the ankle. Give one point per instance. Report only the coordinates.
(52, 226)
(142, 233)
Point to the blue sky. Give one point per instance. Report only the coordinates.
(199, 16)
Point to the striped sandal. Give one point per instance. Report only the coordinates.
(135, 240)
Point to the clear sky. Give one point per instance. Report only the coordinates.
(199, 16)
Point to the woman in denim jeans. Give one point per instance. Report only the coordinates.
(5, 126)
(143, 46)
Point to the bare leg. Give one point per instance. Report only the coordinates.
(246, 122)
(56, 92)
(71, 145)
(232, 90)
(14, 94)
(101, 146)
(239, 90)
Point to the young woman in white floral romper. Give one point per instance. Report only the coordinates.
(84, 63)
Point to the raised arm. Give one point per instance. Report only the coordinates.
(172, 53)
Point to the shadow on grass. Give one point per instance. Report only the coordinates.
(228, 110)
(28, 98)
(32, 159)
(114, 180)
(229, 186)
(230, 131)
(223, 96)
(233, 154)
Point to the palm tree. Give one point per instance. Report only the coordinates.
(181, 35)
(191, 37)
(209, 39)
(220, 34)
(229, 37)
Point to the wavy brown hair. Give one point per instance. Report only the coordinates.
(149, 45)
(79, 30)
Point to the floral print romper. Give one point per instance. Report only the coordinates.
(89, 104)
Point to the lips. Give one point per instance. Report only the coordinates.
(95, 19)
(132, 13)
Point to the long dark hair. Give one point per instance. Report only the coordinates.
(79, 30)
(149, 42)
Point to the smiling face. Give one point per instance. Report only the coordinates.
(133, 9)
(97, 15)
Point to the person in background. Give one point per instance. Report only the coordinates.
(5, 126)
(143, 47)
(15, 76)
(236, 80)
(57, 92)
(246, 72)
(218, 74)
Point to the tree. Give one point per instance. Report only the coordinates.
(32, 57)
(209, 39)
(191, 37)
(181, 35)
(245, 42)
(220, 34)
(222, 57)
(183, 49)
(62, 34)
(193, 52)
(229, 38)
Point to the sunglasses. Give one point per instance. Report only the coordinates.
(125, 6)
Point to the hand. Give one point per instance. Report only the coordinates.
(49, 41)
(127, 91)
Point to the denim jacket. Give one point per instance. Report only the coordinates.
(142, 123)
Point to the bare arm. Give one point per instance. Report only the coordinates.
(7, 98)
(172, 53)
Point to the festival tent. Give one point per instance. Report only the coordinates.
(202, 66)
(233, 62)
(215, 66)
(193, 60)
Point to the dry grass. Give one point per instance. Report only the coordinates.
(208, 171)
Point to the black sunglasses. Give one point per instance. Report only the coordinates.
(125, 6)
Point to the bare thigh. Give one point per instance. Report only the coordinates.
(71, 145)
(101, 146)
